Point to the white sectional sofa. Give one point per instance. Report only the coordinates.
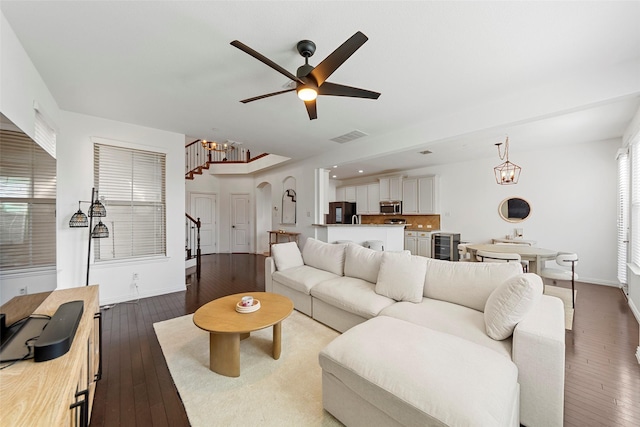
(427, 342)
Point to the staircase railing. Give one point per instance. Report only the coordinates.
(192, 244)
(198, 158)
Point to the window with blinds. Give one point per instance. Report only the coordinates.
(27, 203)
(44, 135)
(623, 214)
(131, 185)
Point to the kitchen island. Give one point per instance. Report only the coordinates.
(391, 235)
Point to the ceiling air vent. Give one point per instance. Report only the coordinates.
(349, 136)
(426, 152)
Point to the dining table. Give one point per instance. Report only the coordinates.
(536, 256)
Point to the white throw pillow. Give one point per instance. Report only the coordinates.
(286, 255)
(325, 256)
(401, 276)
(510, 302)
(362, 263)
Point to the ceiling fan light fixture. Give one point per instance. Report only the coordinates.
(307, 93)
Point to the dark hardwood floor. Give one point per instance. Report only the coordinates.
(602, 382)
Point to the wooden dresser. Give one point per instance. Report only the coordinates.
(58, 392)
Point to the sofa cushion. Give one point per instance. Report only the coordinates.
(362, 263)
(401, 276)
(302, 278)
(356, 296)
(325, 256)
(466, 283)
(510, 303)
(454, 319)
(419, 376)
(286, 255)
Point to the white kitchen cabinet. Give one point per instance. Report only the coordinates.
(424, 243)
(368, 199)
(390, 189)
(362, 200)
(418, 242)
(427, 195)
(420, 195)
(411, 242)
(346, 194)
(373, 198)
(410, 196)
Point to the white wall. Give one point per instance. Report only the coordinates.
(223, 187)
(75, 179)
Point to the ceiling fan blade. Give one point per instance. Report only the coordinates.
(331, 63)
(260, 57)
(311, 109)
(335, 89)
(266, 95)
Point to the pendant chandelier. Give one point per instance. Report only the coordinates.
(216, 146)
(506, 173)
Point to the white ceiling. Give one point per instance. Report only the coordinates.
(169, 65)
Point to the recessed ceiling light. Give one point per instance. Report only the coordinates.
(334, 176)
(360, 171)
(335, 166)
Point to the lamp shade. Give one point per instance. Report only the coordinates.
(79, 219)
(507, 173)
(97, 209)
(100, 231)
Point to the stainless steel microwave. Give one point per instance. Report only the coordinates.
(391, 208)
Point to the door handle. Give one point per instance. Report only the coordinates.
(233, 226)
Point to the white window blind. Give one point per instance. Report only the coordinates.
(623, 214)
(45, 136)
(131, 185)
(635, 204)
(27, 203)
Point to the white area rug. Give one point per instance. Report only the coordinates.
(565, 295)
(283, 392)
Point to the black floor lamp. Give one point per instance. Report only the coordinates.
(80, 220)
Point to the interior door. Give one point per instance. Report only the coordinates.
(203, 206)
(240, 229)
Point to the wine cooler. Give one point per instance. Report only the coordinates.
(445, 246)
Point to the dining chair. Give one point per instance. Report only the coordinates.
(524, 262)
(564, 259)
(486, 256)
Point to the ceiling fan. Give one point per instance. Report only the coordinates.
(312, 81)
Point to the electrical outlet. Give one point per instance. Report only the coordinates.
(419, 225)
(23, 291)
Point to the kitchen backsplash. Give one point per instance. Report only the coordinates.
(412, 221)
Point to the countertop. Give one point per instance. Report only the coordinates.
(359, 225)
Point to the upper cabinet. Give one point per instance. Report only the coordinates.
(346, 194)
(368, 199)
(390, 188)
(420, 195)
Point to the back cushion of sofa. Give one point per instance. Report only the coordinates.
(466, 283)
(362, 263)
(286, 255)
(325, 256)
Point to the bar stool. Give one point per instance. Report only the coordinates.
(376, 245)
(564, 260)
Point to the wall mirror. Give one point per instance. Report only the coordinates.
(514, 209)
(289, 202)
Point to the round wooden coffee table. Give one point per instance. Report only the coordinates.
(227, 327)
